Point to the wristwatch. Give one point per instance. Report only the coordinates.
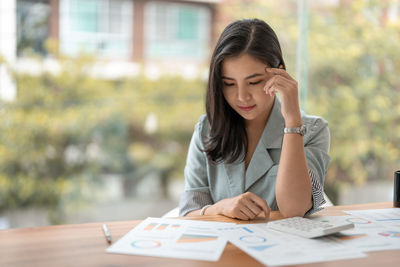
(298, 130)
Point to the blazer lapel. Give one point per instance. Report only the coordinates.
(271, 138)
(260, 163)
(236, 173)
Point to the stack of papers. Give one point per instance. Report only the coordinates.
(374, 230)
(184, 239)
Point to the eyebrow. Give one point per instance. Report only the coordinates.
(248, 77)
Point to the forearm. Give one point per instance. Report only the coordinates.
(246, 206)
(293, 184)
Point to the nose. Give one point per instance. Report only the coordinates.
(243, 94)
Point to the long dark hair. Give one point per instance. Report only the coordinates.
(227, 137)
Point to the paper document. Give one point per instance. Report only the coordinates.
(199, 240)
(367, 235)
(275, 248)
(374, 229)
(385, 217)
(185, 239)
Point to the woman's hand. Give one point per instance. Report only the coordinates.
(284, 84)
(246, 206)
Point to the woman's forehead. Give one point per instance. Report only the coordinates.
(242, 65)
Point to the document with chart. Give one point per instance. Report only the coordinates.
(368, 233)
(185, 239)
(375, 230)
(384, 217)
(275, 248)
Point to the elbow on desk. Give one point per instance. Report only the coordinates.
(293, 207)
(292, 214)
(288, 212)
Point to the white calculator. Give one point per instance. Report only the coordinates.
(309, 228)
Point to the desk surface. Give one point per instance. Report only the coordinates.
(85, 244)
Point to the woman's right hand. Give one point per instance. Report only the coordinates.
(246, 206)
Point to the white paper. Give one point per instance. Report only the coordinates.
(275, 248)
(380, 227)
(374, 230)
(366, 234)
(385, 217)
(185, 239)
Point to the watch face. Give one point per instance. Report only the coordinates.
(303, 130)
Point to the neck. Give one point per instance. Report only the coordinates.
(254, 127)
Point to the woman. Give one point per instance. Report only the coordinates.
(253, 152)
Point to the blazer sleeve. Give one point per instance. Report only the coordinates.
(316, 151)
(196, 192)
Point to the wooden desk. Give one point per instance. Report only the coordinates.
(85, 244)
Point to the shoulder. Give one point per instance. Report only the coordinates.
(203, 126)
(314, 123)
(201, 130)
(317, 127)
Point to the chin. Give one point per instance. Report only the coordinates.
(247, 117)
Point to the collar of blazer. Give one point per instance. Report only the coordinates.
(272, 135)
(261, 160)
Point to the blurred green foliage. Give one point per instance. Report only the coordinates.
(66, 129)
(354, 56)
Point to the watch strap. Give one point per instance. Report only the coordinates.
(296, 130)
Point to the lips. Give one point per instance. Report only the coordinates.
(246, 108)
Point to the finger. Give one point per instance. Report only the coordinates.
(268, 213)
(270, 81)
(245, 210)
(253, 207)
(238, 213)
(277, 71)
(248, 212)
(247, 206)
(275, 89)
(242, 216)
(261, 203)
(283, 74)
(277, 80)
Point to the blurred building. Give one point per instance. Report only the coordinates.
(126, 35)
(7, 48)
(138, 30)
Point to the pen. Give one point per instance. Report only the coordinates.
(107, 233)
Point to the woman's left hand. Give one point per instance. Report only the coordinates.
(284, 84)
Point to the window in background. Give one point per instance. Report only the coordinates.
(103, 27)
(176, 31)
(32, 28)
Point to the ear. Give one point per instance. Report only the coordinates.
(281, 66)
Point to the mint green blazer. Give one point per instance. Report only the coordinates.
(207, 183)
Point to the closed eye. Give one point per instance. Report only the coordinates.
(228, 84)
(254, 83)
